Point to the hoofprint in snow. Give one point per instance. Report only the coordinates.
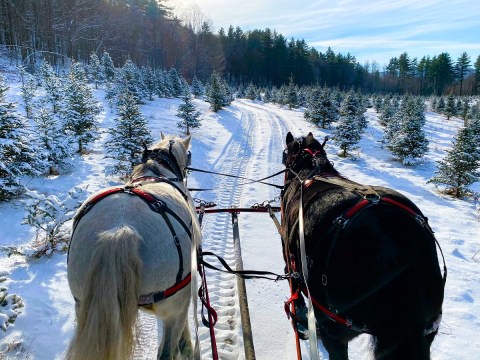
(247, 139)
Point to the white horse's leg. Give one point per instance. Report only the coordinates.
(185, 345)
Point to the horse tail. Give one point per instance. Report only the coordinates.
(107, 313)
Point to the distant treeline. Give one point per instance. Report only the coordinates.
(146, 32)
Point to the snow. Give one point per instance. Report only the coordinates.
(246, 139)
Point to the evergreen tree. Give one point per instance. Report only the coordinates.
(386, 112)
(377, 103)
(321, 108)
(52, 85)
(168, 89)
(450, 109)
(476, 84)
(215, 94)
(176, 82)
(465, 110)
(440, 105)
(291, 96)
(267, 95)
(150, 82)
(28, 93)
(240, 94)
(108, 69)
(459, 168)
(250, 92)
(409, 141)
(346, 134)
(127, 137)
(197, 87)
(129, 81)
(18, 155)
(55, 144)
(95, 70)
(189, 115)
(461, 69)
(80, 110)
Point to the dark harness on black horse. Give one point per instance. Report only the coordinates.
(315, 185)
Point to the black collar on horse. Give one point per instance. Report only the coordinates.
(371, 257)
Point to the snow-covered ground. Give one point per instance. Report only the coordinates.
(246, 139)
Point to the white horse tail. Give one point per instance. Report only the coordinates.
(107, 313)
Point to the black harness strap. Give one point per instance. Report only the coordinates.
(159, 207)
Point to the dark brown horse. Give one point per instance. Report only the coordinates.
(371, 258)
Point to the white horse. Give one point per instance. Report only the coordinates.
(131, 248)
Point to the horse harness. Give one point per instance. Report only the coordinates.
(158, 206)
(369, 197)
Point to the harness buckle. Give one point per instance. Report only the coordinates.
(421, 220)
(341, 222)
(176, 240)
(158, 206)
(373, 198)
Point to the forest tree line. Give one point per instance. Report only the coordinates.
(146, 32)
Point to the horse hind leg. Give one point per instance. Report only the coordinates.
(337, 350)
(414, 346)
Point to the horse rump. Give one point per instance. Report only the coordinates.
(106, 310)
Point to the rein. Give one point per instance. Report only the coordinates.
(242, 177)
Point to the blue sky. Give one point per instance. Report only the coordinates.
(369, 29)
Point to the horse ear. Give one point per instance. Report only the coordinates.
(325, 141)
(186, 141)
(162, 136)
(310, 135)
(289, 138)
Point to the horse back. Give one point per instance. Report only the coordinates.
(382, 264)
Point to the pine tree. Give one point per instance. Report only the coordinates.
(167, 85)
(55, 144)
(177, 88)
(464, 111)
(291, 96)
(267, 96)
(322, 110)
(459, 168)
(197, 87)
(250, 92)
(18, 154)
(150, 82)
(215, 94)
(440, 105)
(52, 85)
(130, 81)
(108, 69)
(409, 141)
(189, 115)
(80, 110)
(28, 92)
(126, 139)
(450, 109)
(346, 134)
(95, 70)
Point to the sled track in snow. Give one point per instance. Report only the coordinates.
(217, 237)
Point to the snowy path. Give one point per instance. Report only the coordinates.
(247, 139)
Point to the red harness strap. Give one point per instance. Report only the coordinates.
(157, 206)
(342, 221)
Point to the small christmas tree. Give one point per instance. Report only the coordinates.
(215, 94)
(189, 115)
(197, 87)
(459, 168)
(95, 70)
(80, 110)
(450, 108)
(108, 69)
(322, 110)
(55, 144)
(127, 137)
(18, 154)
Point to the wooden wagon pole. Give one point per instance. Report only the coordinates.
(242, 294)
